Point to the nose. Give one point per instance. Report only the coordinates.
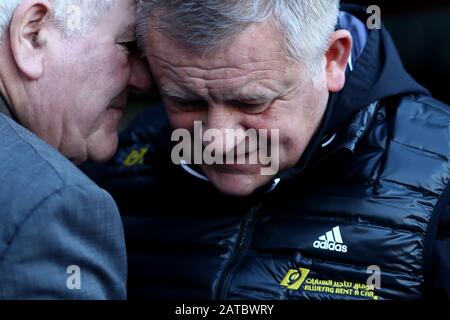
(140, 76)
(225, 121)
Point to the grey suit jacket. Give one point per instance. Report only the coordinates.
(61, 236)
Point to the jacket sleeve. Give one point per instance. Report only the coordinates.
(441, 258)
(71, 246)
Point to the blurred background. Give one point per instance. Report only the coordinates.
(421, 31)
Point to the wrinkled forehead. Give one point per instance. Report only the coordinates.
(251, 66)
(242, 70)
(258, 43)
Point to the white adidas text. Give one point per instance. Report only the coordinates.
(331, 241)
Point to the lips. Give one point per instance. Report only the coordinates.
(236, 168)
(119, 102)
(117, 107)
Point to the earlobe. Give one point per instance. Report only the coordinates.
(337, 58)
(26, 36)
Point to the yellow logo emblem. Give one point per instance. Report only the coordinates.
(135, 157)
(295, 278)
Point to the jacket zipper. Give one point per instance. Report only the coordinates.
(240, 251)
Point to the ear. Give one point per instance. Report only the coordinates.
(27, 37)
(337, 59)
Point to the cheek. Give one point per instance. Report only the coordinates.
(298, 132)
(120, 73)
(114, 71)
(182, 119)
(292, 146)
(296, 122)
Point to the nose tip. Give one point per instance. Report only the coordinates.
(140, 76)
(226, 124)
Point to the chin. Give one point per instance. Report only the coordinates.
(103, 151)
(234, 191)
(237, 185)
(101, 157)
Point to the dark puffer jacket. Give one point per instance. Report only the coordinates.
(368, 198)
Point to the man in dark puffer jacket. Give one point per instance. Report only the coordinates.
(363, 213)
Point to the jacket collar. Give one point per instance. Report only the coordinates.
(348, 137)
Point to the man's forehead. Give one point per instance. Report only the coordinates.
(257, 44)
(248, 91)
(251, 66)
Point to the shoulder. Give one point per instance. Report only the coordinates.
(35, 174)
(32, 168)
(74, 226)
(54, 216)
(417, 149)
(423, 122)
(23, 149)
(420, 136)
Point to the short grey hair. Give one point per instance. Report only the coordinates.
(85, 12)
(306, 25)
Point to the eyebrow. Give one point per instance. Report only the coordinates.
(250, 96)
(177, 94)
(257, 96)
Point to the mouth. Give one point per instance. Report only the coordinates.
(236, 158)
(233, 169)
(116, 112)
(235, 166)
(120, 102)
(121, 108)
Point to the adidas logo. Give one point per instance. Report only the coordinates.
(332, 240)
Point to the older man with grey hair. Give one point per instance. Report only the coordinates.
(65, 71)
(357, 205)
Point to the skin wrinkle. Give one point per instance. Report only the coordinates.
(253, 76)
(231, 77)
(275, 93)
(55, 124)
(177, 65)
(253, 63)
(215, 79)
(73, 104)
(209, 83)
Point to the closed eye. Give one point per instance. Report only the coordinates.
(129, 46)
(189, 105)
(252, 107)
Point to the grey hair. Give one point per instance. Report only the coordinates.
(306, 25)
(73, 17)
